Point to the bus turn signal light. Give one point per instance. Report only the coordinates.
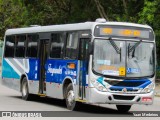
(71, 66)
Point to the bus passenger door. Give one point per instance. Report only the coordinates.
(43, 54)
(84, 59)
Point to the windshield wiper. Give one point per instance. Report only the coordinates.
(130, 49)
(117, 49)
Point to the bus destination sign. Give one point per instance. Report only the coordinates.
(131, 32)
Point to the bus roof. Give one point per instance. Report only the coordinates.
(68, 27)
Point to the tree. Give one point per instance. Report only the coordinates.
(10, 15)
(150, 15)
(21, 13)
(101, 10)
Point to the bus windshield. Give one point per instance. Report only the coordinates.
(140, 60)
(123, 58)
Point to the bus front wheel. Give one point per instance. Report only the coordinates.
(70, 98)
(25, 90)
(123, 108)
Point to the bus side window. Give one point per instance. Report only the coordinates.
(83, 49)
(57, 44)
(32, 46)
(71, 45)
(9, 46)
(20, 46)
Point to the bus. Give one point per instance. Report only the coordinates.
(98, 62)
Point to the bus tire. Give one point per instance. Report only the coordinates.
(25, 91)
(70, 98)
(123, 108)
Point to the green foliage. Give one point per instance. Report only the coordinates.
(10, 15)
(147, 15)
(22, 13)
(150, 15)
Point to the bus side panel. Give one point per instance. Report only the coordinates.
(56, 72)
(11, 73)
(13, 69)
(33, 71)
(33, 74)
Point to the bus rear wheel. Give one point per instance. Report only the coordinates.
(25, 90)
(70, 98)
(123, 108)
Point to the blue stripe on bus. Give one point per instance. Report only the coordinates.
(145, 84)
(100, 80)
(8, 71)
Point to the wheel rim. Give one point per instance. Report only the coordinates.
(70, 98)
(24, 89)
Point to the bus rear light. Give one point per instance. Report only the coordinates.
(146, 99)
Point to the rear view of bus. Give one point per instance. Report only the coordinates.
(122, 66)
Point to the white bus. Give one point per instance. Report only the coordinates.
(92, 62)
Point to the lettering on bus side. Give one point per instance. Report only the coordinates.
(54, 70)
(59, 70)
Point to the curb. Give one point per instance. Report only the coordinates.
(157, 95)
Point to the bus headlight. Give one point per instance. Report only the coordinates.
(146, 90)
(98, 86)
(149, 88)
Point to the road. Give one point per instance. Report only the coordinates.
(10, 100)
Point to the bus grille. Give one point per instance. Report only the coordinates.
(126, 83)
(128, 91)
(131, 86)
(120, 97)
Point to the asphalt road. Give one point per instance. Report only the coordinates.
(10, 100)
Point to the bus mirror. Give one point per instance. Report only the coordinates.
(90, 47)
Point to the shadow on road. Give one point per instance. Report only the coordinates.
(84, 109)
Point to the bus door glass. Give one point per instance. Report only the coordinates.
(43, 54)
(84, 59)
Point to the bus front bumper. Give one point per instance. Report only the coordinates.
(98, 97)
